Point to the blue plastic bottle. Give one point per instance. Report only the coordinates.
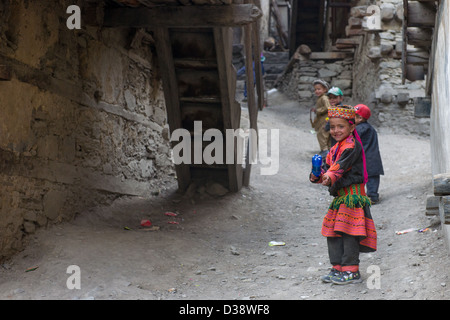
(316, 165)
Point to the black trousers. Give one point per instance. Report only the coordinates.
(372, 187)
(343, 251)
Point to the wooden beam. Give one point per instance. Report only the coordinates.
(419, 37)
(178, 16)
(421, 14)
(328, 55)
(5, 73)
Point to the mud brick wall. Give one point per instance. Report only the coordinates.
(82, 118)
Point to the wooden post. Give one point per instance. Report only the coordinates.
(230, 109)
(252, 110)
(165, 58)
(257, 58)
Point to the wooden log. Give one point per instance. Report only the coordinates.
(414, 72)
(419, 37)
(417, 58)
(176, 16)
(441, 184)
(421, 14)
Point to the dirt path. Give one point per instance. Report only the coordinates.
(219, 248)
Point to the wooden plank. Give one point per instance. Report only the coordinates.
(170, 85)
(351, 41)
(441, 184)
(328, 55)
(178, 16)
(421, 14)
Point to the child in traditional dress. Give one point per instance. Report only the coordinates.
(348, 224)
(369, 139)
(321, 88)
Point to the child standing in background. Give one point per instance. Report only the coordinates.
(369, 139)
(348, 224)
(336, 97)
(321, 87)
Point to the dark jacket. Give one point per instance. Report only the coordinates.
(369, 139)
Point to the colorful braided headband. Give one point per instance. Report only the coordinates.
(345, 112)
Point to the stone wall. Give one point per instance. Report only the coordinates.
(83, 118)
(296, 83)
(372, 77)
(377, 78)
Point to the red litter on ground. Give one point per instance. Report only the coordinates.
(170, 214)
(146, 223)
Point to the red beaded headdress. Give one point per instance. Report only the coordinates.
(345, 112)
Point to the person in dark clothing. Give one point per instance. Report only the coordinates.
(369, 139)
(241, 71)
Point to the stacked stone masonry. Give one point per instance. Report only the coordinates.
(373, 76)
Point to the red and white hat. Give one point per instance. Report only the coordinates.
(363, 111)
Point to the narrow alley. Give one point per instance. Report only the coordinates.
(217, 246)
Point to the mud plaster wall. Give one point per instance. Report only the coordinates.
(82, 119)
(440, 111)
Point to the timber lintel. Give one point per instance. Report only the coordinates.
(175, 16)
